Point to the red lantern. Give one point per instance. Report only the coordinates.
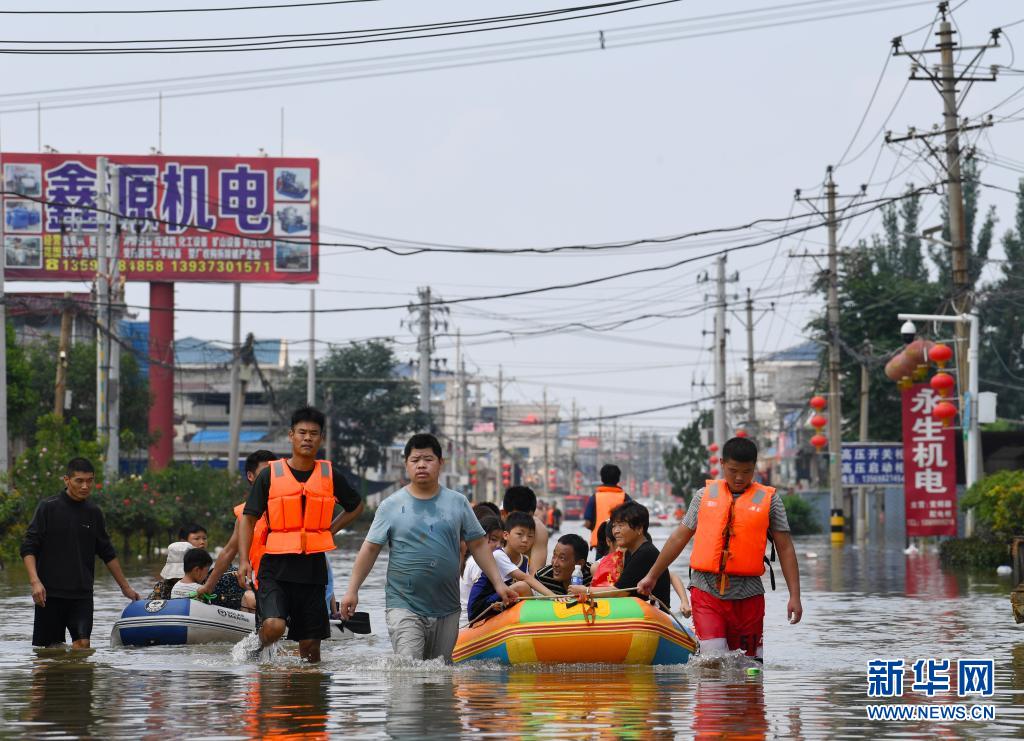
(940, 355)
(472, 480)
(942, 383)
(714, 473)
(818, 421)
(741, 433)
(945, 411)
(472, 461)
(818, 402)
(713, 460)
(819, 441)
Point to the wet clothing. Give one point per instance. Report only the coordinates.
(740, 622)
(66, 536)
(739, 587)
(483, 595)
(424, 535)
(545, 577)
(301, 568)
(183, 590)
(302, 605)
(59, 615)
(635, 567)
(418, 637)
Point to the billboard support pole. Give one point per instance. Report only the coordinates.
(102, 299)
(115, 301)
(235, 412)
(161, 374)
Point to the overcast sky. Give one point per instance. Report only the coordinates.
(593, 146)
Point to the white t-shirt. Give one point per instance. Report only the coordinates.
(505, 565)
(470, 574)
(182, 589)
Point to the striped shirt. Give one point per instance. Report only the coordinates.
(739, 587)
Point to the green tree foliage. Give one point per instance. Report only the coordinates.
(998, 504)
(978, 244)
(1002, 317)
(800, 515)
(687, 462)
(368, 406)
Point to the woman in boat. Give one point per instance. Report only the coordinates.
(608, 568)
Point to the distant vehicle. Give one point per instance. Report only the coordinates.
(573, 506)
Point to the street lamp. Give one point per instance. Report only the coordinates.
(969, 408)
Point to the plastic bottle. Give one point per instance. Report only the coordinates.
(577, 576)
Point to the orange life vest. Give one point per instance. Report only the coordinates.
(259, 542)
(550, 519)
(606, 498)
(732, 532)
(300, 514)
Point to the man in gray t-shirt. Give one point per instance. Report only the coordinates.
(728, 608)
(423, 524)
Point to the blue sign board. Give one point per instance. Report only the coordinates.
(872, 464)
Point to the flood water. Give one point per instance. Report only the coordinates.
(860, 603)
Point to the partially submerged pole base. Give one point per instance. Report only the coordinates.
(838, 523)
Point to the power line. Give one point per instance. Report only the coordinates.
(290, 6)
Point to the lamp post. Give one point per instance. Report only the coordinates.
(969, 407)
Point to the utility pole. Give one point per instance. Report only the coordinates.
(102, 300)
(720, 424)
(114, 303)
(311, 363)
(236, 402)
(460, 419)
(574, 464)
(60, 386)
(861, 528)
(424, 349)
(464, 404)
(499, 424)
(547, 460)
(751, 396)
(835, 405)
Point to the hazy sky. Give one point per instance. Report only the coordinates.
(595, 146)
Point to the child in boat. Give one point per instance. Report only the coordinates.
(172, 571)
(513, 564)
(495, 530)
(609, 566)
(196, 565)
(194, 534)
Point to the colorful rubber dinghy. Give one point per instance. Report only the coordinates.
(620, 630)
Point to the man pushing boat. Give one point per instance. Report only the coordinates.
(730, 520)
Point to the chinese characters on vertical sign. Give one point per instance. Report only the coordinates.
(181, 218)
(929, 466)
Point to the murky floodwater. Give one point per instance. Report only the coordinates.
(860, 604)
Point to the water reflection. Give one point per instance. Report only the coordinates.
(286, 704)
(733, 709)
(61, 692)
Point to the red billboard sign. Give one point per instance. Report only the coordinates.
(212, 219)
(929, 466)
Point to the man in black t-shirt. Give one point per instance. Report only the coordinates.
(291, 585)
(629, 523)
(61, 544)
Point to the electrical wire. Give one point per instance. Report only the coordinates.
(153, 11)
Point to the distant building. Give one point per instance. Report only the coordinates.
(37, 316)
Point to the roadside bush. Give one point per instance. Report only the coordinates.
(800, 515)
(981, 553)
(998, 503)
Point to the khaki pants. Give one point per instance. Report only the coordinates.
(418, 637)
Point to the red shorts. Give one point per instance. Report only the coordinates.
(739, 621)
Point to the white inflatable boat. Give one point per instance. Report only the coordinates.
(177, 622)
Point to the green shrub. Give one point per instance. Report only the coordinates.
(974, 553)
(800, 515)
(998, 504)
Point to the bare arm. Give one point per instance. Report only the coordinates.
(791, 571)
(670, 552)
(38, 590)
(535, 585)
(539, 552)
(114, 567)
(222, 564)
(484, 558)
(344, 518)
(680, 589)
(588, 524)
(360, 570)
(244, 530)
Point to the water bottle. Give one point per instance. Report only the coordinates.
(577, 577)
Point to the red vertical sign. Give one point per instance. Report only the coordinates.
(929, 466)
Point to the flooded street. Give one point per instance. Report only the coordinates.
(859, 604)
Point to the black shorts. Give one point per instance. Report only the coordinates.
(60, 615)
(304, 606)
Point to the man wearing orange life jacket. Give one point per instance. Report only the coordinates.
(607, 497)
(298, 496)
(254, 463)
(729, 521)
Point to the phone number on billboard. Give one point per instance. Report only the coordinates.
(173, 266)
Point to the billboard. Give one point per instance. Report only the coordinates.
(929, 466)
(211, 219)
(872, 464)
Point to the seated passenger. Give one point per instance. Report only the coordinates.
(471, 571)
(513, 565)
(196, 566)
(172, 571)
(570, 551)
(194, 534)
(608, 568)
(629, 523)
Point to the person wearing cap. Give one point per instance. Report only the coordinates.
(173, 570)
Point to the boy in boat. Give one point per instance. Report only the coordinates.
(729, 521)
(513, 564)
(66, 534)
(193, 534)
(196, 564)
(570, 551)
(471, 571)
(523, 499)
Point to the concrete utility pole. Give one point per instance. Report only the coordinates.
(460, 419)
(574, 464)
(236, 401)
(311, 362)
(424, 347)
(499, 423)
(547, 460)
(102, 300)
(861, 528)
(720, 423)
(115, 301)
(464, 405)
(835, 404)
(751, 396)
(60, 385)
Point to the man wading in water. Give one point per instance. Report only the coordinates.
(423, 524)
(298, 495)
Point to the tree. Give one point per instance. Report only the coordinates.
(686, 463)
(368, 405)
